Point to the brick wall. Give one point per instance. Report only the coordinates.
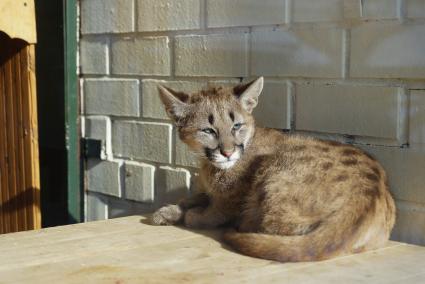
(348, 70)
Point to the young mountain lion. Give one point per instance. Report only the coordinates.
(288, 198)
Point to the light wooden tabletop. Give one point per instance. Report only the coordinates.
(127, 250)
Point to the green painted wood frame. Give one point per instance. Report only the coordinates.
(74, 164)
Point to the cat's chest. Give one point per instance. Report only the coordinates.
(223, 183)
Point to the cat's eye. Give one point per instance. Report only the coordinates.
(208, 131)
(237, 126)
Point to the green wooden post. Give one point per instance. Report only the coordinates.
(75, 194)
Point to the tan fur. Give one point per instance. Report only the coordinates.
(290, 198)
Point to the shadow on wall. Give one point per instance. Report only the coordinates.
(168, 189)
(20, 202)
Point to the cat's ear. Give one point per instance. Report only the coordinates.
(248, 93)
(175, 103)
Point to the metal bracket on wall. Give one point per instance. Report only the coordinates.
(91, 148)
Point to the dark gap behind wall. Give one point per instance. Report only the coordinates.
(51, 111)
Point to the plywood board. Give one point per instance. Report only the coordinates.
(129, 250)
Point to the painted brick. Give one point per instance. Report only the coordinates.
(96, 127)
(123, 207)
(142, 140)
(107, 16)
(410, 224)
(139, 182)
(99, 127)
(184, 156)
(172, 184)
(307, 52)
(379, 9)
(405, 168)
(162, 15)
(104, 177)
(376, 51)
(352, 9)
(317, 11)
(223, 83)
(118, 97)
(119, 208)
(141, 56)
(415, 8)
(417, 117)
(152, 106)
(211, 55)
(348, 110)
(94, 56)
(97, 207)
(272, 108)
(224, 13)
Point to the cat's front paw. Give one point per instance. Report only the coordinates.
(167, 215)
(193, 218)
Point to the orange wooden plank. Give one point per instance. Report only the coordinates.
(32, 179)
(3, 172)
(35, 159)
(11, 203)
(26, 127)
(19, 154)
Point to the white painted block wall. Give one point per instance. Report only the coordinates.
(348, 70)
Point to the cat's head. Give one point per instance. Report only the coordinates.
(216, 123)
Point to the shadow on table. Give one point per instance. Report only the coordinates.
(216, 234)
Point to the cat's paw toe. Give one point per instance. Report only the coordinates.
(192, 218)
(167, 215)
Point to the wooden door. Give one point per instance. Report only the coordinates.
(19, 163)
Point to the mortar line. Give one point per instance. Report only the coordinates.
(248, 56)
(242, 29)
(352, 139)
(291, 102)
(401, 10)
(203, 16)
(135, 15)
(288, 12)
(172, 47)
(378, 82)
(173, 146)
(122, 173)
(403, 99)
(419, 206)
(346, 50)
(108, 55)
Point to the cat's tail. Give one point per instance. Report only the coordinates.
(325, 242)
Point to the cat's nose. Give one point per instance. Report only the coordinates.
(226, 154)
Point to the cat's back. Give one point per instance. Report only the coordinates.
(314, 155)
(327, 169)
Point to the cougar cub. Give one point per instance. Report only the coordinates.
(289, 198)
